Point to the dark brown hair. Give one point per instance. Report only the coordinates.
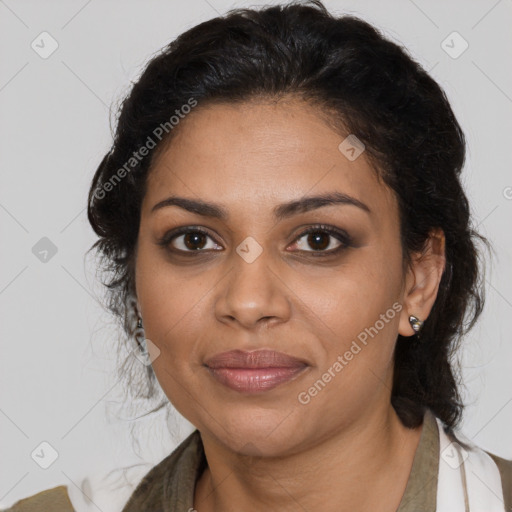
(366, 85)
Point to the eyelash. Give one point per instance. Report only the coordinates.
(341, 236)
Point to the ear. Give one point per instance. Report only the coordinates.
(422, 281)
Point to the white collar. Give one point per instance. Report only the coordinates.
(468, 480)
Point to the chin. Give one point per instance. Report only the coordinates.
(263, 433)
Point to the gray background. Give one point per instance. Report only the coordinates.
(57, 365)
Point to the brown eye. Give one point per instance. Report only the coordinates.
(194, 241)
(322, 239)
(318, 241)
(189, 240)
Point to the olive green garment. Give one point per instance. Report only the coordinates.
(55, 500)
(169, 486)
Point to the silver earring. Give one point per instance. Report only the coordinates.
(416, 323)
(139, 335)
(142, 353)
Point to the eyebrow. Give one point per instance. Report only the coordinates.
(282, 211)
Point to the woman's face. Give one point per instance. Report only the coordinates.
(256, 280)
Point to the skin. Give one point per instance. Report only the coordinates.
(346, 449)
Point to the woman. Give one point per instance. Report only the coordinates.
(291, 246)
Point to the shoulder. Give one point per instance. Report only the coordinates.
(171, 478)
(503, 465)
(505, 469)
(55, 499)
(174, 473)
(483, 464)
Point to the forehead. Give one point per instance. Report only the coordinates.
(261, 153)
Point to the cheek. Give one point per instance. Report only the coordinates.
(352, 297)
(361, 313)
(357, 309)
(171, 303)
(169, 295)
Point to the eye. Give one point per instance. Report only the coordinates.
(188, 239)
(324, 240)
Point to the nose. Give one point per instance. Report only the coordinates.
(253, 295)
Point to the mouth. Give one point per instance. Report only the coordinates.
(254, 372)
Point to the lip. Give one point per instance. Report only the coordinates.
(256, 371)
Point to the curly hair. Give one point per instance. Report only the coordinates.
(363, 84)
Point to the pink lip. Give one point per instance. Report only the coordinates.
(252, 372)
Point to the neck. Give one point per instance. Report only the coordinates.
(365, 467)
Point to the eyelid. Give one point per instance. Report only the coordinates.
(169, 236)
(341, 235)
